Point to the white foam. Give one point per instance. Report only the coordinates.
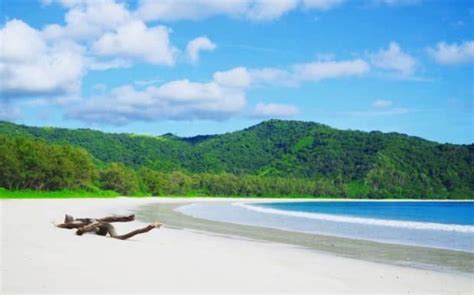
(360, 220)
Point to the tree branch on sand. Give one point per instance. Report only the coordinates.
(103, 226)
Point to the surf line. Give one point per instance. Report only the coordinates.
(360, 220)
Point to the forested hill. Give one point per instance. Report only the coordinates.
(386, 163)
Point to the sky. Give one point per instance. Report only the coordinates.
(208, 66)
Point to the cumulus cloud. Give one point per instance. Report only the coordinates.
(255, 10)
(273, 110)
(321, 70)
(394, 59)
(452, 54)
(297, 74)
(236, 78)
(88, 19)
(30, 66)
(269, 10)
(175, 100)
(65, 3)
(382, 104)
(268, 76)
(223, 97)
(197, 45)
(170, 10)
(135, 40)
(96, 64)
(112, 32)
(322, 4)
(398, 2)
(96, 35)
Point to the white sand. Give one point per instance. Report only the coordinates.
(36, 257)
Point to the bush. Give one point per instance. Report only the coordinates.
(117, 177)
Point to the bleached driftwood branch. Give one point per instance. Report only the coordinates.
(103, 226)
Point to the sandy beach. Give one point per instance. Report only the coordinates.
(36, 257)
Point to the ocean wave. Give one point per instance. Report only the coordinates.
(361, 220)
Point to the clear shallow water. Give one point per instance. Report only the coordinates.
(460, 213)
(448, 225)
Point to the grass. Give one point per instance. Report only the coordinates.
(69, 194)
(62, 194)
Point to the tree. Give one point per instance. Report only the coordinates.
(119, 178)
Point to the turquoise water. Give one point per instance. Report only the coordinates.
(460, 213)
(447, 225)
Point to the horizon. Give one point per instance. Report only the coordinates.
(227, 132)
(207, 68)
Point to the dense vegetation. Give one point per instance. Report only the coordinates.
(274, 158)
(34, 164)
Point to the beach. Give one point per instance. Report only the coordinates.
(37, 257)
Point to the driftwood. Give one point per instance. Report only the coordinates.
(103, 226)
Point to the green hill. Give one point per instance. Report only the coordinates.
(360, 163)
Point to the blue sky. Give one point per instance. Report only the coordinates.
(207, 66)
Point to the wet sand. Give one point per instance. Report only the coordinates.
(414, 256)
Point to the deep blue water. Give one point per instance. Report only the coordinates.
(436, 212)
(447, 225)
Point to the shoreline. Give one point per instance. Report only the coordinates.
(395, 254)
(40, 258)
(180, 198)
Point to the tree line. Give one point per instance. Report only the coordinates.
(27, 163)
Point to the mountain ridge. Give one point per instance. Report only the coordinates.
(190, 138)
(385, 162)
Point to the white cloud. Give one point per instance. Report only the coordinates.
(103, 65)
(452, 54)
(322, 4)
(109, 30)
(269, 10)
(271, 76)
(175, 100)
(255, 10)
(382, 103)
(147, 82)
(321, 70)
(197, 45)
(242, 77)
(398, 2)
(136, 40)
(170, 10)
(299, 73)
(87, 20)
(394, 59)
(30, 66)
(65, 3)
(20, 42)
(237, 78)
(223, 97)
(273, 110)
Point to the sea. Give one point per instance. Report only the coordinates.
(435, 224)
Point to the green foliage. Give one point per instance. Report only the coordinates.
(357, 190)
(61, 194)
(305, 142)
(274, 158)
(117, 177)
(26, 163)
